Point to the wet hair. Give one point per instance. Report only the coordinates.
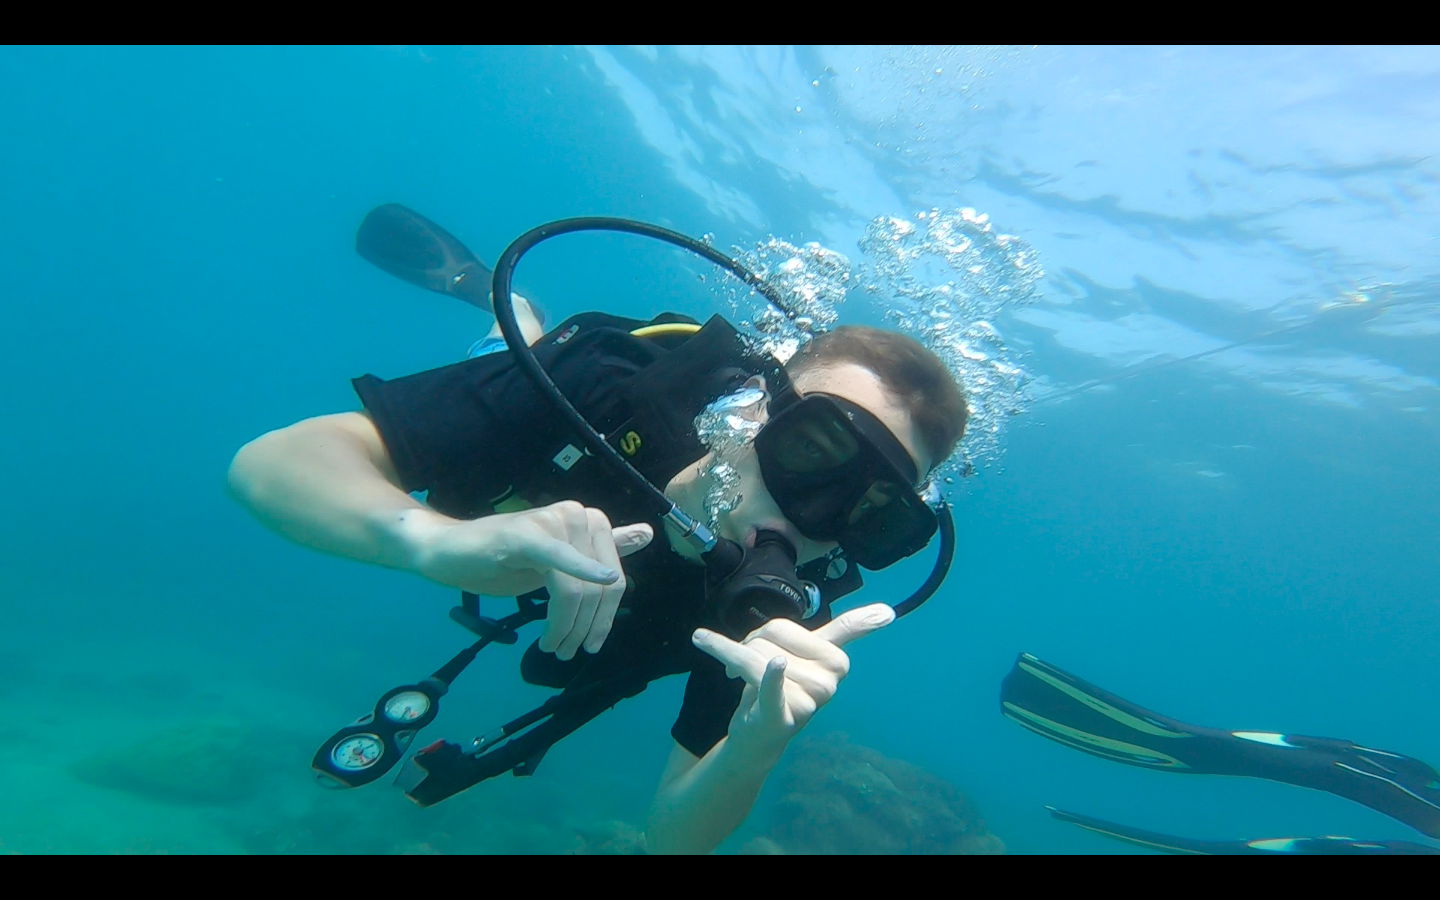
(910, 372)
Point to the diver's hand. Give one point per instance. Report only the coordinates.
(565, 547)
(789, 671)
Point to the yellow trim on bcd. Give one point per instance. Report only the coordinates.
(665, 330)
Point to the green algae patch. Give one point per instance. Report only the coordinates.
(201, 761)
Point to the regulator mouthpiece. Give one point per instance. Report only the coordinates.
(747, 588)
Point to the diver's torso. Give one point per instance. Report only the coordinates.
(648, 401)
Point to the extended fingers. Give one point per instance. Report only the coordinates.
(818, 680)
(543, 552)
(856, 623)
(559, 538)
(602, 538)
(744, 661)
(558, 541)
(566, 595)
(797, 640)
(552, 546)
(630, 538)
(579, 524)
(771, 698)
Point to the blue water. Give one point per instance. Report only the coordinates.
(1245, 540)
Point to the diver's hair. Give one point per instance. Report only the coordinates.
(909, 371)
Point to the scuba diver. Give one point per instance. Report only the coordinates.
(1068, 710)
(563, 468)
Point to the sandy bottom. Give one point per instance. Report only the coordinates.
(153, 752)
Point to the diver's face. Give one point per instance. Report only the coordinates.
(757, 510)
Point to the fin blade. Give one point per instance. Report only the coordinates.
(400, 241)
(1302, 846)
(1073, 712)
(1148, 839)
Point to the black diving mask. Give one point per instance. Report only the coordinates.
(838, 474)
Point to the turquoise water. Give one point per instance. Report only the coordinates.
(1244, 540)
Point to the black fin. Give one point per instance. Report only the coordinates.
(1307, 846)
(1051, 702)
(414, 249)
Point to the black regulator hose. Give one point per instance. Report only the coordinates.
(525, 357)
(942, 564)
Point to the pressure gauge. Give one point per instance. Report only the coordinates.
(407, 706)
(357, 752)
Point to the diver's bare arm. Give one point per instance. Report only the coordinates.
(790, 672)
(701, 801)
(328, 483)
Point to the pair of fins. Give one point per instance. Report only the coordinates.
(1051, 702)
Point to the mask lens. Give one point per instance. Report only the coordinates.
(881, 534)
(822, 462)
(813, 441)
(872, 505)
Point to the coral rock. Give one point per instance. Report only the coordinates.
(608, 839)
(208, 761)
(841, 798)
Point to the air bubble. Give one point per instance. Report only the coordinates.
(811, 280)
(726, 427)
(944, 277)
